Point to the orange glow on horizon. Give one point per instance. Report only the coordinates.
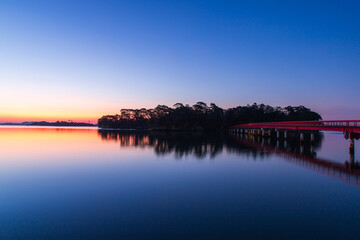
(34, 147)
(92, 118)
(84, 113)
(90, 113)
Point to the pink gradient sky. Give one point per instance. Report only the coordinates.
(63, 60)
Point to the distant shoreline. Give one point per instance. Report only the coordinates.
(50, 124)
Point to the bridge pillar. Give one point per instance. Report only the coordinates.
(277, 133)
(301, 138)
(285, 134)
(352, 147)
(312, 138)
(351, 154)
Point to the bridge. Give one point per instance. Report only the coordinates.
(349, 126)
(350, 129)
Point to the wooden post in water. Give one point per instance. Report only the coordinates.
(352, 150)
(301, 138)
(312, 138)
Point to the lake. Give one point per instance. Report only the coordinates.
(85, 183)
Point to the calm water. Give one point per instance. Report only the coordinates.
(90, 184)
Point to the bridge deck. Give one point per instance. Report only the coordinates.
(336, 125)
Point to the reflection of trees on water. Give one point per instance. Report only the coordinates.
(198, 144)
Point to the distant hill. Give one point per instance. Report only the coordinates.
(11, 124)
(57, 124)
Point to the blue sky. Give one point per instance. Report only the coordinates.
(82, 59)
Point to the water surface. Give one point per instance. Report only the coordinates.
(61, 183)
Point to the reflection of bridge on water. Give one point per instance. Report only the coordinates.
(349, 171)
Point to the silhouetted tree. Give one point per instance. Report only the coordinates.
(203, 117)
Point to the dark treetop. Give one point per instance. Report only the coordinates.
(202, 117)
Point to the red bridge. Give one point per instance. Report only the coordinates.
(350, 126)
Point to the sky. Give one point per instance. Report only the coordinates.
(79, 60)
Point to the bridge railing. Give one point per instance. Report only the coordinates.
(332, 123)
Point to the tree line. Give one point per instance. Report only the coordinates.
(200, 116)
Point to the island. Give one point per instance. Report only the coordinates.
(201, 117)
